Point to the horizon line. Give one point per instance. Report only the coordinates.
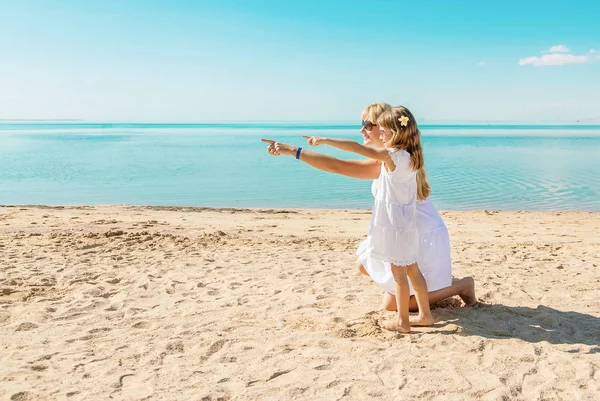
(587, 121)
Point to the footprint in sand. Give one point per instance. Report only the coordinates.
(99, 330)
(26, 326)
(133, 387)
(142, 325)
(215, 347)
(234, 285)
(278, 373)
(175, 347)
(27, 396)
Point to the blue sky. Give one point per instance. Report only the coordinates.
(298, 60)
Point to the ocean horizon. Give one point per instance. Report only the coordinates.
(545, 167)
(8, 124)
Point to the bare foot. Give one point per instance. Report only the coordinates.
(467, 294)
(394, 325)
(422, 320)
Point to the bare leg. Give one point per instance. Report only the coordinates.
(464, 288)
(420, 286)
(402, 324)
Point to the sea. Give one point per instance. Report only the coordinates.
(470, 166)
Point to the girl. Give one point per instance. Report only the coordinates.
(393, 235)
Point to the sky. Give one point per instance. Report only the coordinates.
(299, 60)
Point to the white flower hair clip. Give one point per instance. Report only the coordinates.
(403, 121)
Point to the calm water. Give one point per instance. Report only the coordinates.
(470, 167)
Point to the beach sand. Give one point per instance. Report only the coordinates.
(118, 302)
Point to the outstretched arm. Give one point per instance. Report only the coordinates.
(361, 169)
(351, 146)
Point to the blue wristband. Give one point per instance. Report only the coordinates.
(298, 153)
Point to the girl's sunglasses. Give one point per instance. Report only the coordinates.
(368, 125)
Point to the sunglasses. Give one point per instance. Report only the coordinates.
(368, 125)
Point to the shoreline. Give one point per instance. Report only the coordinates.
(262, 209)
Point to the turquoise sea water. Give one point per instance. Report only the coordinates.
(500, 167)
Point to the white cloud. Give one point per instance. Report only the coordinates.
(555, 59)
(482, 63)
(559, 49)
(557, 55)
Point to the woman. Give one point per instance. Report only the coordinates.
(434, 244)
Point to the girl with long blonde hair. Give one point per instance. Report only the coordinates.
(393, 236)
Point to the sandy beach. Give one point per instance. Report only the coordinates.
(134, 303)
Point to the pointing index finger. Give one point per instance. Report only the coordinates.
(270, 142)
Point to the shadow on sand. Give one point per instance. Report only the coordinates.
(528, 324)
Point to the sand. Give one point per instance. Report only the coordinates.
(132, 303)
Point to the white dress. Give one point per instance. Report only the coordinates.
(433, 255)
(393, 235)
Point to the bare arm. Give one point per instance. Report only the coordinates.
(351, 146)
(361, 169)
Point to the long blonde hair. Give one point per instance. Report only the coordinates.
(408, 138)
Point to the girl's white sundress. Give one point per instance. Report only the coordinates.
(393, 235)
(433, 256)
